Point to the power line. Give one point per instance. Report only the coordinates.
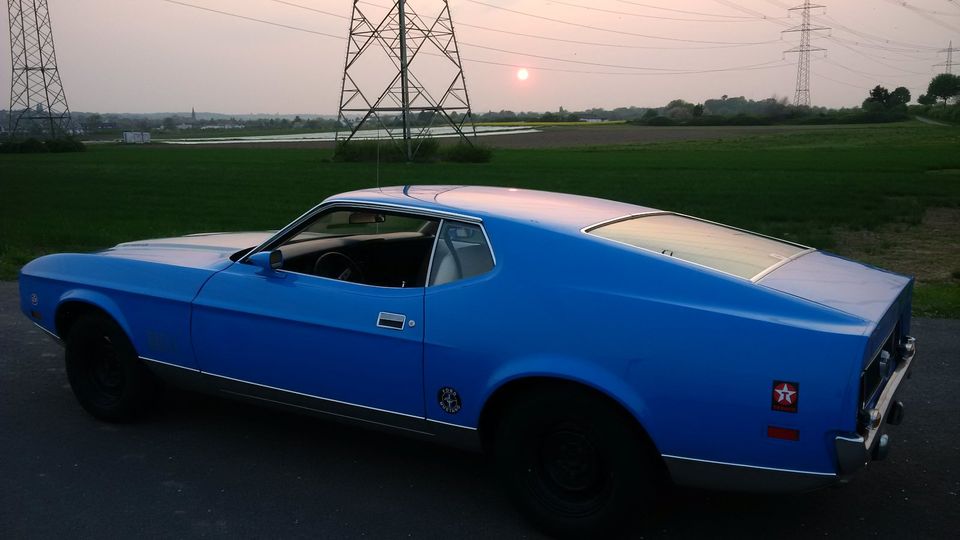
(611, 30)
(924, 10)
(822, 76)
(600, 44)
(643, 16)
(866, 35)
(857, 71)
(836, 40)
(308, 8)
(253, 19)
(924, 15)
(656, 71)
(586, 63)
(683, 11)
(592, 43)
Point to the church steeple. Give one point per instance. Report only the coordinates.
(193, 114)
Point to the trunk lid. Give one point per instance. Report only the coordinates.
(845, 285)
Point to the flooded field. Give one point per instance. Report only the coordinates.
(366, 134)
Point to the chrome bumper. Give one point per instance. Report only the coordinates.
(855, 451)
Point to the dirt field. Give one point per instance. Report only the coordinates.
(929, 251)
(563, 137)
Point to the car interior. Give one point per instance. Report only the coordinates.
(385, 249)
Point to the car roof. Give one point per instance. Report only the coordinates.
(543, 208)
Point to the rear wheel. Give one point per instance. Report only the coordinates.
(104, 371)
(576, 464)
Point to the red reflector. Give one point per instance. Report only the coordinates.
(783, 433)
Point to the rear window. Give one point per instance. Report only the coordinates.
(722, 248)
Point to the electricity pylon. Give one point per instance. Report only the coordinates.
(802, 96)
(405, 39)
(38, 104)
(948, 65)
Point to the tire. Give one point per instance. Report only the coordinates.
(576, 464)
(104, 371)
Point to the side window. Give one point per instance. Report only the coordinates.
(369, 247)
(462, 252)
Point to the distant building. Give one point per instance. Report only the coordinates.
(193, 114)
(592, 120)
(136, 137)
(182, 127)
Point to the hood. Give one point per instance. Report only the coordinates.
(208, 250)
(854, 288)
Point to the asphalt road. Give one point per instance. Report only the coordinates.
(204, 466)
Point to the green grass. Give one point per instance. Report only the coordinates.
(799, 186)
(937, 300)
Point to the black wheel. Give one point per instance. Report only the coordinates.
(576, 464)
(104, 371)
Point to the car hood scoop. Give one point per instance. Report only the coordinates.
(851, 287)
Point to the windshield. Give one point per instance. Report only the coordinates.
(729, 250)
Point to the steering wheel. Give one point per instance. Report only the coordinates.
(336, 265)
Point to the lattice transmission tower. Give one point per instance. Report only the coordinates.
(419, 77)
(803, 50)
(38, 104)
(948, 65)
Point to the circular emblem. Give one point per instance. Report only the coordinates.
(34, 299)
(449, 400)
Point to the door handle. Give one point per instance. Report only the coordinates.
(393, 321)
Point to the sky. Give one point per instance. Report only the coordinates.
(161, 56)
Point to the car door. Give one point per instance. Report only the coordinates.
(318, 342)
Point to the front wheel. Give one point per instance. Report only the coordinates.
(575, 463)
(104, 371)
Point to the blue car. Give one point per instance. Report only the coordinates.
(595, 349)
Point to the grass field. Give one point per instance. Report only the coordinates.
(815, 187)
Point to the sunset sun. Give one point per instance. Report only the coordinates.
(523, 74)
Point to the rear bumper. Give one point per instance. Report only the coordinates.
(855, 451)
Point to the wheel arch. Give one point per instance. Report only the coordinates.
(75, 304)
(499, 401)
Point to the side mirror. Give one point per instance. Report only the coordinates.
(268, 261)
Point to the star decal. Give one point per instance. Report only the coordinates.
(785, 394)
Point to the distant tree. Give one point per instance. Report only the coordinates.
(944, 86)
(899, 96)
(879, 95)
(650, 113)
(926, 100)
(169, 123)
(881, 99)
(94, 120)
(698, 110)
